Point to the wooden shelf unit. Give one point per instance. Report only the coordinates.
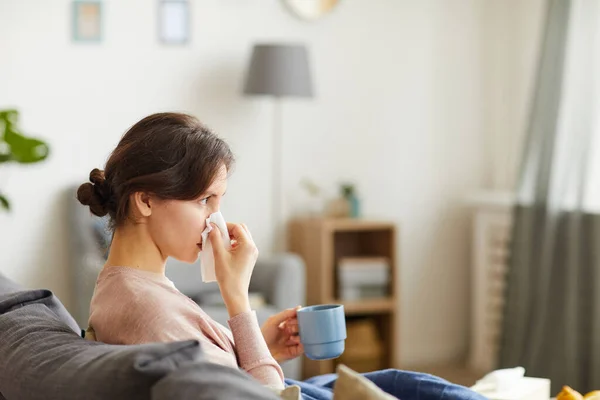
(321, 242)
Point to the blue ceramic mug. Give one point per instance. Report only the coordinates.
(322, 331)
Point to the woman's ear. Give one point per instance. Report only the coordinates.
(142, 204)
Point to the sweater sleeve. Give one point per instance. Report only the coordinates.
(252, 351)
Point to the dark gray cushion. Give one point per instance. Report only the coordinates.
(215, 382)
(13, 295)
(42, 358)
(12, 301)
(7, 286)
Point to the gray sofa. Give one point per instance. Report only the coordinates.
(44, 357)
(280, 279)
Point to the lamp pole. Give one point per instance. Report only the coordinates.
(277, 178)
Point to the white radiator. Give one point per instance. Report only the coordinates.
(492, 222)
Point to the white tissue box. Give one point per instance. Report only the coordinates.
(526, 389)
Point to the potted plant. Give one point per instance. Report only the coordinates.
(16, 147)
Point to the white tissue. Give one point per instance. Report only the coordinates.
(499, 380)
(207, 260)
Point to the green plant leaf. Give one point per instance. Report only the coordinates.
(14, 146)
(25, 150)
(8, 120)
(5, 154)
(10, 116)
(4, 203)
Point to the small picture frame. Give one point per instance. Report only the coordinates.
(174, 22)
(87, 21)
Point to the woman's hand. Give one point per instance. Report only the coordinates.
(281, 335)
(234, 267)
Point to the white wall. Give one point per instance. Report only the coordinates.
(399, 109)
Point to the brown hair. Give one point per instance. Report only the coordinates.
(169, 155)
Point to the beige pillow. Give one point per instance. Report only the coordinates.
(350, 385)
(289, 393)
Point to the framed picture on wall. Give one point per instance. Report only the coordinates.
(87, 21)
(174, 21)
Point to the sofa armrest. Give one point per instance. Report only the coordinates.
(281, 278)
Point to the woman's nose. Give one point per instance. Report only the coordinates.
(215, 208)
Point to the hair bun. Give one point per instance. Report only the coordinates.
(97, 177)
(97, 194)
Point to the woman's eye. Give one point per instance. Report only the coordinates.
(204, 201)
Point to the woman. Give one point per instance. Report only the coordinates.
(165, 177)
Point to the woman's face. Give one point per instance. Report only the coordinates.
(176, 226)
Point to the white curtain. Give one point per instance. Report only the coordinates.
(552, 316)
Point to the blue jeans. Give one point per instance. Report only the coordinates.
(405, 385)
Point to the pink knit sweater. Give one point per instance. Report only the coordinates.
(132, 306)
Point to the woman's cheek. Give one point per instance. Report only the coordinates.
(204, 214)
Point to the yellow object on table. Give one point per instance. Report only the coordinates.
(568, 393)
(595, 395)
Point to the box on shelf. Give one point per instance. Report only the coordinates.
(364, 348)
(363, 277)
(363, 292)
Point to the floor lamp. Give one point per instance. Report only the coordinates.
(278, 70)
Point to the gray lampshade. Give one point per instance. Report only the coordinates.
(279, 70)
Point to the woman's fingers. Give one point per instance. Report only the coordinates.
(247, 231)
(238, 233)
(291, 326)
(292, 340)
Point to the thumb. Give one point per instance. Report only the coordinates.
(216, 240)
(284, 315)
